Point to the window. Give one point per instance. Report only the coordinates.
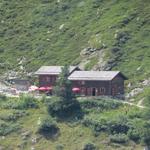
(53, 79)
(83, 90)
(81, 82)
(94, 93)
(114, 90)
(89, 91)
(102, 91)
(47, 79)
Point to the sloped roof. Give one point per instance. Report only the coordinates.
(94, 75)
(54, 70)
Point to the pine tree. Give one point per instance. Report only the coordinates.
(63, 88)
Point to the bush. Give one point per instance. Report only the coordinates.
(13, 116)
(59, 147)
(89, 146)
(100, 104)
(6, 128)
(134, 135)
(27, 101)
(119, 138)
(48, 127)
(136, 126)
(60, 108)
(97, 126)
(24, 102)
(115, 126)
(2, 97)
(145, 136)
(118, 125)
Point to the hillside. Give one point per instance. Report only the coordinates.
(109, 35)
(94, 34)
(104, 124)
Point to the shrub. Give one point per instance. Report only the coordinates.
(134, 135)
(13, 116)
(118, 125)
(24, 102)
(100, 104)
(115, 126)
(119, 138)
(59, 147)
(145, 136)
(45, 1)
(48, 127)
(60, 108)
(27, 101)
(6, 128)
(2, 97)
(89, 146)
(96, 125)
(136, 128)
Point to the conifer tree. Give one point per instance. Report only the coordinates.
(63, 87)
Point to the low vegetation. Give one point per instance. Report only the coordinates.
(61, 109)
(89, 146)
(23, 102)
(57, 32)
(7, 127)
(102, 119)
(37, 30)
(48, 127)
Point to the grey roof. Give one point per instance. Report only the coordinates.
(54, 70)
(93, 75)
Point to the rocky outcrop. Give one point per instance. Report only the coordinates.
(88, 53)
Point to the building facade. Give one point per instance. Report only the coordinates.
(47, 75)
(99, 83)
(87, 83)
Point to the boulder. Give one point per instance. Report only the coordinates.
(1, 148)
(135, 92)
(146, 82)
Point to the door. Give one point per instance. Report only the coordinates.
(93, 91)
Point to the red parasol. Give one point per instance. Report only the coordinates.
(45, 88)
(33, 88)
(76, 89)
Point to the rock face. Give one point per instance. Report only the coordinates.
(25, 135)
(146, 82)
(1, 148)
(135, 92)
(88, 53)
(61, 26)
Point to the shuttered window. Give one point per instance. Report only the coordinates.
(102, 91)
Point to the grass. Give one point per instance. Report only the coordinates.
(93, 61)
(33, 32)
(72, 135)
(31, 35)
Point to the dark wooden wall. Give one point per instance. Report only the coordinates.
(114, 87)
(47, 80)
(117, 86)
(109, 88)
(88, 87)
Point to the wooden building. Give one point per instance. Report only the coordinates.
(88, 83)
(20, 84)
(97, 83)
(48, 74)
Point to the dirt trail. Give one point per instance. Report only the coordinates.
(132, 104)
(139, 104)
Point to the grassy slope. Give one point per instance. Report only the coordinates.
(31, 29)
(72, 135)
